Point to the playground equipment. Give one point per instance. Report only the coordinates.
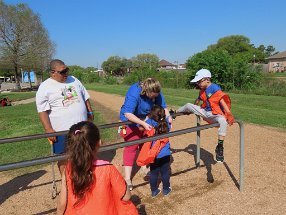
(53, 158)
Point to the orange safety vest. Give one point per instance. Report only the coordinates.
(214, 100)
(148, 153)
(105, 195)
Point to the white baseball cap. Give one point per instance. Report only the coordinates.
(202, 73)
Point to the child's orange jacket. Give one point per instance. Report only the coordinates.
(148, 153)
(214, 100)
(105, 195)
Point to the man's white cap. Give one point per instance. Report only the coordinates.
(202, 73)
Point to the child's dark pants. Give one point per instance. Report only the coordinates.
(160, 165)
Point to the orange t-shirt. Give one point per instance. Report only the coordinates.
(105, 196)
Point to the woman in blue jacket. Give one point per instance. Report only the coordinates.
(139, 100)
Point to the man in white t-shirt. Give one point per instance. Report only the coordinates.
(62, 101)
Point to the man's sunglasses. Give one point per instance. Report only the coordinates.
(63, 72)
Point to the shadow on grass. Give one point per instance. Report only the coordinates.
(18, 184)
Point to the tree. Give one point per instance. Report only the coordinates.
(145, 61)
(269, 51)
(24, 41)
(218, 61)
(115, 65)
(239, 45)
(228, 71)
(233, 44)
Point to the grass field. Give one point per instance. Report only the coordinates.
(18, 96)
(23, 120)
(258, 109)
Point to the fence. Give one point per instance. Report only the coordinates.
(198, 128)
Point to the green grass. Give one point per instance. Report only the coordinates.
(18, 96)
(23, 120)
(258, 109)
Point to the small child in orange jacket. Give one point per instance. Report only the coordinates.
(91, 186)
(161, 163)
(214, 109)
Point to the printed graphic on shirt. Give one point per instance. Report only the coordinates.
(70, 96)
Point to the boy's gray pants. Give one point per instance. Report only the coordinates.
(191, 108)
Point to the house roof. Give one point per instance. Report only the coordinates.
(165, 63)
(279, 55)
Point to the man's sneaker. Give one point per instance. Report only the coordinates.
(129, 184)
(167, 192)
(156, 192)
(219, 153)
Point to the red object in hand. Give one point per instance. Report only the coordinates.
(229, 117)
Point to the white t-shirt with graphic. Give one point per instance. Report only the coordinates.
(64, 102)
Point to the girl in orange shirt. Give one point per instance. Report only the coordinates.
(91, 186)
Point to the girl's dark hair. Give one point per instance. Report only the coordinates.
(158, 114)
(82, 141)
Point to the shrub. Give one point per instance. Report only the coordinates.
(109, 80)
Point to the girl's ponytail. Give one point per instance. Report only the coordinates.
(82, 141)
(158, 114)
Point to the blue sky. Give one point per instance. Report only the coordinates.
(87, 32)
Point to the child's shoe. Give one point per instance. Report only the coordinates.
(156, 192)
(167, 191)
(219, 153)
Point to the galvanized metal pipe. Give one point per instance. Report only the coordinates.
(33, 162)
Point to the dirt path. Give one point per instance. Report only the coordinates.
(210, 189)
(25, 101)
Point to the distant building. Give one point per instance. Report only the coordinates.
(166, 65)
(182, 66)
(277, 62)
(169, 66)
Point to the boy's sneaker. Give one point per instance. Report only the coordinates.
(219, 153)
(156, 192)
(171, 111)
(167, 192)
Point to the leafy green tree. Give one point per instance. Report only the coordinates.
(233, 44)
(230, 72)
(218, 61)
(115, 65)
(145, 61)
(270, 50)
(24, 41)
(240, 45)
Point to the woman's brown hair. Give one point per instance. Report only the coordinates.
(150, 85)
(82, 143)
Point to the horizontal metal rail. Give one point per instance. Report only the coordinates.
(39, 136)
(114, 146)
(16, 165)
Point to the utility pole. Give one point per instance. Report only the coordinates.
(177, 74)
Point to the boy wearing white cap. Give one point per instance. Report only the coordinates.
(215, 107)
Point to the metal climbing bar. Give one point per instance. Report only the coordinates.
(198, 128)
